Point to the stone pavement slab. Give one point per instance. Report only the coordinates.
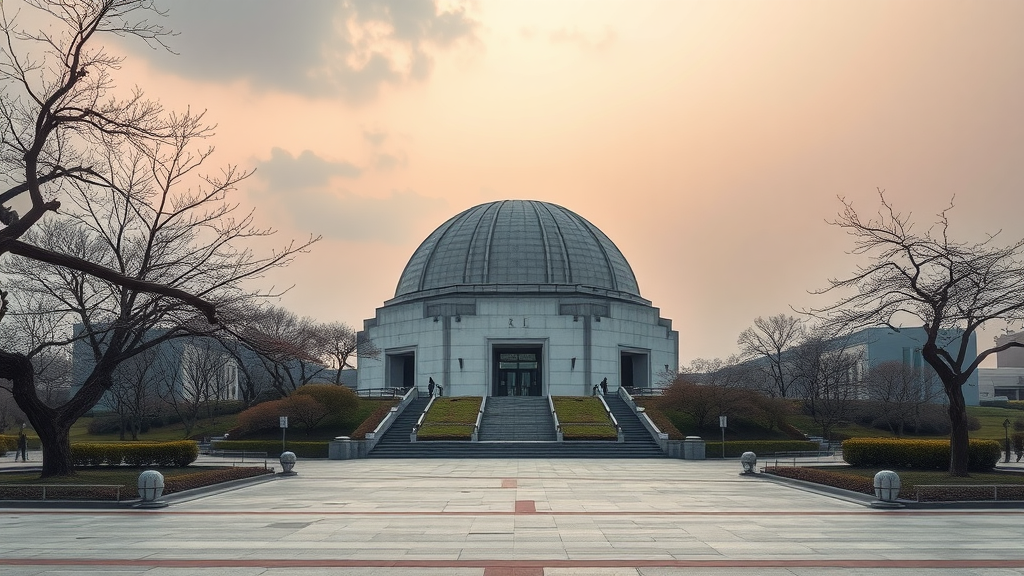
(516, 517)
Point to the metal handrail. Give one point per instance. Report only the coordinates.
(618, 429)
(393, 415)
(554, 415)
(475, 437)
(419, 422)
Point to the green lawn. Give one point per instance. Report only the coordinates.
(450, 418)
(583, 418)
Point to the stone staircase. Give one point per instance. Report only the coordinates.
(518, 427)
(517, 419)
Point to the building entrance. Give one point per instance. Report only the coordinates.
(517, 372)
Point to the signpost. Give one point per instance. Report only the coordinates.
(723, 421)
(284, 429)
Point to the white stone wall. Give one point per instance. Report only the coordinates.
(502, 321)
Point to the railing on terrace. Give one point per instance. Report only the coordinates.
(797, 457)
(239, 456)
(382, 392)
(640, 391)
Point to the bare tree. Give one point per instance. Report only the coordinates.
(339, 345)
(289, 348)
(132, 394)
(826, 371)
(161, 222)
(953, 288)
(898, 394)
(766, 343)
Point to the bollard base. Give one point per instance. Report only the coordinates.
(886, 505)
(288, 473)
(151, 504)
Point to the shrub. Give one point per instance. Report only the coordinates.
(735, 448)
(135, 454)
(261, 416)
(273, 447)
(1017, 440)
(336, 399)
(923, 454)
(1015, 404)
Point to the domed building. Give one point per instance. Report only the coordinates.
(517, 298)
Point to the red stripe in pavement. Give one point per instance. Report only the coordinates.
(512, 571)
(509, 483)
(525, 507)
(516, 564)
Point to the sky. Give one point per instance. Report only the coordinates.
(710, 140)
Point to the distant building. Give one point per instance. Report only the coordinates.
(1006, 380)
(879, 345)
(517, 298)
(872, 347)
(194, 368)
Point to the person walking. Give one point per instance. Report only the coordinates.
(430, 386)
(604, 387)
(22, 447)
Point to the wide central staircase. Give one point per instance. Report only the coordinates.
(518, 427)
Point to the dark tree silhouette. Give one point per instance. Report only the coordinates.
(952, 288)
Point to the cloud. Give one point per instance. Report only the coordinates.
(375, 137)
(388, 162)
(344, 215)
(286, 172)
(319, 48)
(588, 42)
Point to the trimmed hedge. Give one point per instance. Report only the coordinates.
(273, 447)
(736, 448)
(137, 454)
(924, 454)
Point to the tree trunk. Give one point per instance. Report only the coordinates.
(959, 439)
(55, 438)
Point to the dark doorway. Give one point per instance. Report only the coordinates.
(633, 370)
(517, 372)
(402, 370)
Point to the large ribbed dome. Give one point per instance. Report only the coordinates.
(518, 243)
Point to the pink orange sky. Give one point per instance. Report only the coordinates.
(708, 139)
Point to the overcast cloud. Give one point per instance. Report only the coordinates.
(319, 48)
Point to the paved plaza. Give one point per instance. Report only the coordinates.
(504, 517)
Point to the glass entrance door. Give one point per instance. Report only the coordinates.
(517, 373)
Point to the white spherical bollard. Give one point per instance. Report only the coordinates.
(151, 488)
(749, 462)
(288, 460)
(887, 486)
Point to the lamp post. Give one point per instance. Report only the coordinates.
(1006, 430)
